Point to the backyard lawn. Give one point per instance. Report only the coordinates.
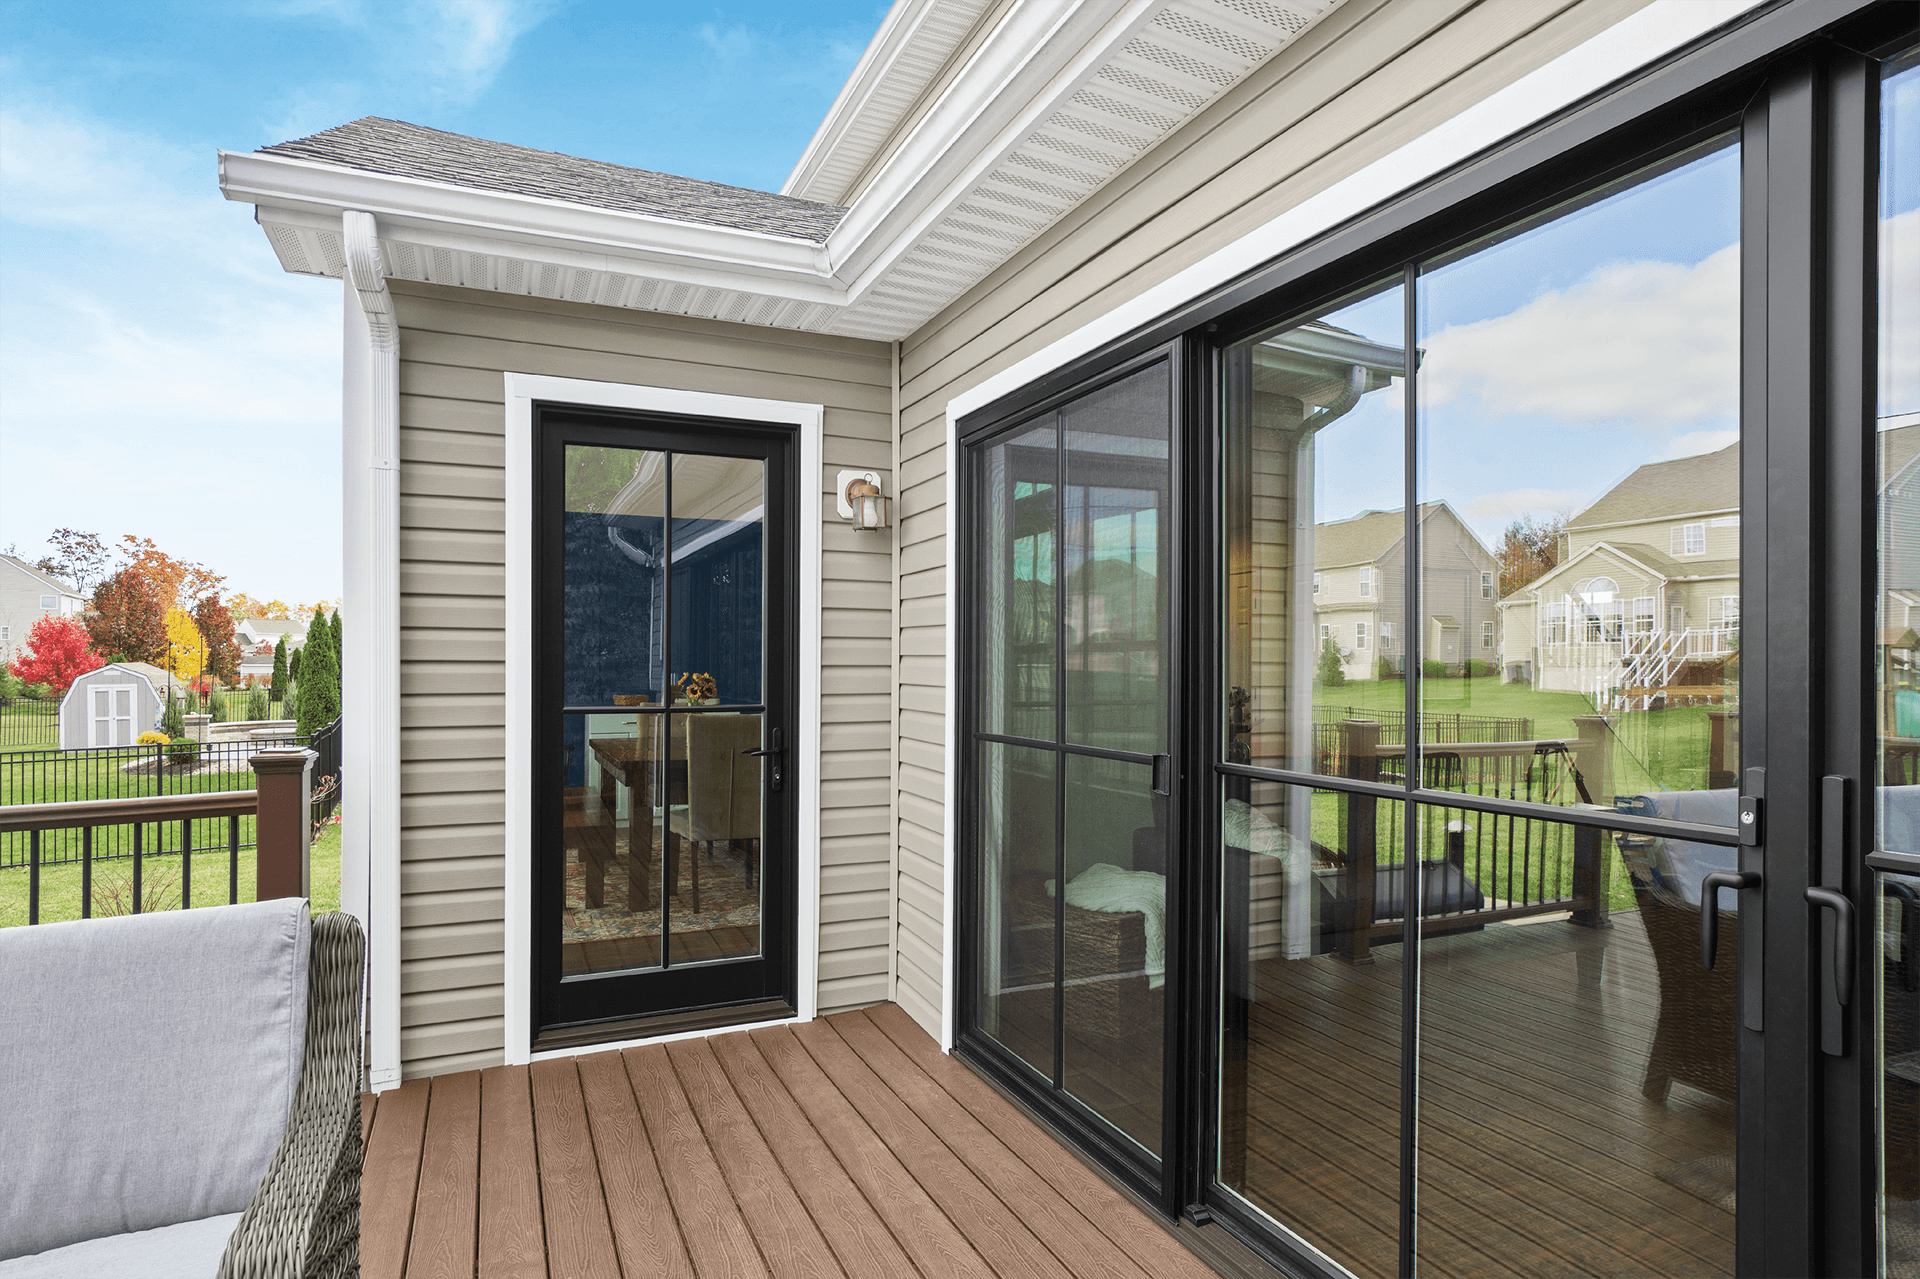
(1653, 750)
(160, 883)
(27, 726)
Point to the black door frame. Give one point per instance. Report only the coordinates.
(1083, 1126)
(1799, 81)
(569, 1013)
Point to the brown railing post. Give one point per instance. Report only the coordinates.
(1593, 756)
(1359, 746)
(283, 832)
(1719, 776)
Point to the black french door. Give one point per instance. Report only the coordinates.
(663, 688)
(1539, 889)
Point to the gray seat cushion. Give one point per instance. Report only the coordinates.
(190, 1250)
(1680, 864)
(150, 1063)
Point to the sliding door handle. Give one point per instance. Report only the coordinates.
(775, 753)
(1842, 956)
(1710, 907)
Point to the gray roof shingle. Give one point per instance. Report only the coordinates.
(393, 147)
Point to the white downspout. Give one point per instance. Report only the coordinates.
(370, 687)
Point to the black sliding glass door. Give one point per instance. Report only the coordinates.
(1514, 749)
(663, 687)
(1069, 735)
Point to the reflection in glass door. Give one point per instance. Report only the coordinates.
(1459, 1035)
(1070, 732)
(663, 847)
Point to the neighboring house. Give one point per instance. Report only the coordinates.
(606, 428)
(1646, 595)
(258, 638)
(1359, 571)
(112, 705)
(26, 596)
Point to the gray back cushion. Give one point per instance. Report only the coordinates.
(149, 1065)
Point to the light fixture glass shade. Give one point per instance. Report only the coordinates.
(869, 507)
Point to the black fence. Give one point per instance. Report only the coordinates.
(1437, 727)
(28, 723)
(134, 772)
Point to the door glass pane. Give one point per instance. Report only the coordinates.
(1310, 1039)
(1019, 495)
(1314, 502)
(1576, 1069)
(1897, 662)
(613, 604)
(1018, 860)
(711, 880)
(1114, 935)
(719, 535)
(1114, 529)
(1580, 519)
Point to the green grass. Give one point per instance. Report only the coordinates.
(60, 886)
(28, 728)
(1652, 750)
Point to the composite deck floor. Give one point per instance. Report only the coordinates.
(847, 1146)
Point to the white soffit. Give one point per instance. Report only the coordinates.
(1056, 101)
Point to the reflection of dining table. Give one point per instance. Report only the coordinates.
(633, 761)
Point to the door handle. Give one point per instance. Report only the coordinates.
(774, 752)
(1710, 907)
(1842, 956)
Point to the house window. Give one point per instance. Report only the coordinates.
(49, 602)
(1486, 635)
(1554, 620)
(1486, 586)
(1676, 618)
(1386, 637)
(1643, 615)
(1366, 582)
(1316, 583)
(1326, 633)
(1690, 539)
(1359, 634)
(6, 634)
(1729, 612)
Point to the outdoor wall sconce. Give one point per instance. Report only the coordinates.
(861, 502)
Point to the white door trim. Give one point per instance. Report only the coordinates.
(522, 389)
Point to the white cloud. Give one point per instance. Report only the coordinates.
(1900, 313)
(1650, 342)
(163, 376)
(1496, 510)
(1694, 443)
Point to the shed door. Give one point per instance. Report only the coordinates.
(110, 722)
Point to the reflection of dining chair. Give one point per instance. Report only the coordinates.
(723, 787)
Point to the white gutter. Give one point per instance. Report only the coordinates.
(370, 687)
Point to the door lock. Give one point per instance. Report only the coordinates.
(775, 754)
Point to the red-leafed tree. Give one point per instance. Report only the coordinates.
(216, 632)
(129, 617)
(56, 654)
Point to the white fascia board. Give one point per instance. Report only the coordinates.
(875, 68)
(538, 229)
(1034, 60)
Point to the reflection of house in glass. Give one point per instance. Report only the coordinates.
(1644, 605)
(1359, 565)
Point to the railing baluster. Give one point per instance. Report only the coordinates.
(138, 830)
(186, 863)
(86, 872)
(33, 877)
(233, 859)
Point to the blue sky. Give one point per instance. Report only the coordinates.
(159, 373)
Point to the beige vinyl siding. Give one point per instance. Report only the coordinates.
(454, 347)
(1371, 76)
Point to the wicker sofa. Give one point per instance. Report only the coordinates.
(183, 1095)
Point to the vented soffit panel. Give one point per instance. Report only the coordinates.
(1054, 102)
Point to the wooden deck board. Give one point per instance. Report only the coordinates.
(389, 1180)
(513, 1240)
(579, 1236)
(849, 1146)
(445, 1226)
